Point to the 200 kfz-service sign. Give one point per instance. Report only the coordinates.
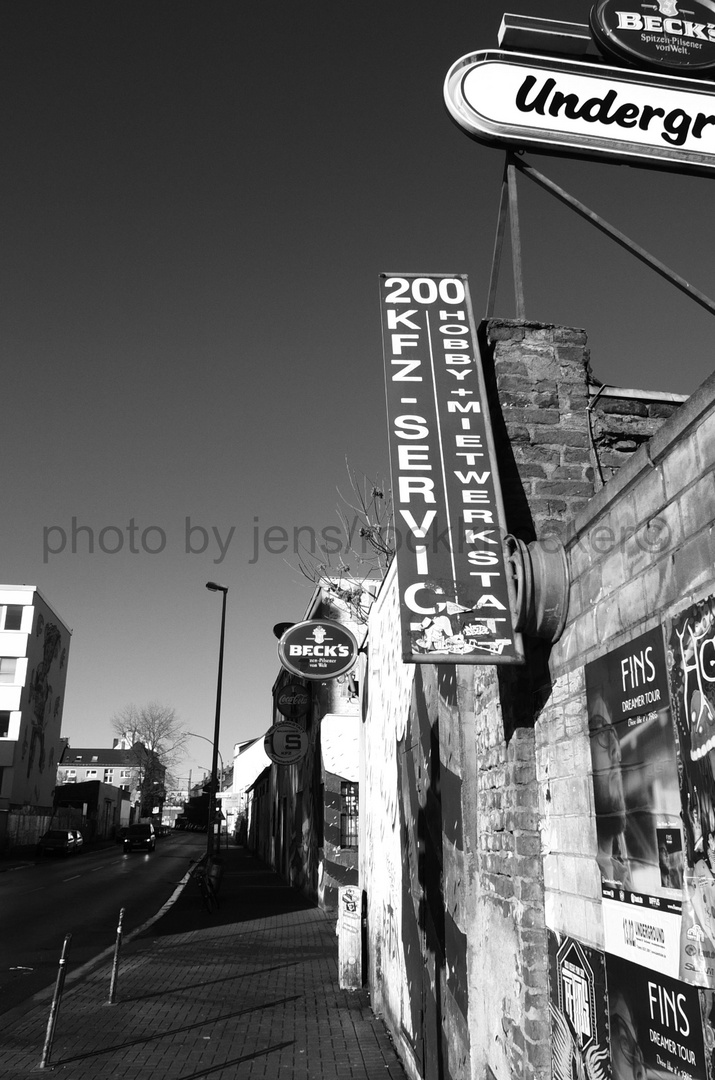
(455, 593)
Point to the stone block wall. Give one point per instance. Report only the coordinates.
(640, 552)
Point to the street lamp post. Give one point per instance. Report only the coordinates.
(213, 587)
(195, 735)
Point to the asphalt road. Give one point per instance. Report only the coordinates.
(82, 895)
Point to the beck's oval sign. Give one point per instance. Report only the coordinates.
(582, 109)
(319, 649)
(670, 35)
(286, 743)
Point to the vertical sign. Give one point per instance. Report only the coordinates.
(349, 931)
(455, 592)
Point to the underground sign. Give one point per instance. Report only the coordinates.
(286, 743)
(318, 649)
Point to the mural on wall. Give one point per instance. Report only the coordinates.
(691, 658)
(578, 1008)
(637, 802)
(40, 696)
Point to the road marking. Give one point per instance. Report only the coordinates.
(73, 878)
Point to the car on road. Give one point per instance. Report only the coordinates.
(78, 840)
(58, 842)
(140, 837)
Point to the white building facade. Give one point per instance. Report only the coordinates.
(34, 651)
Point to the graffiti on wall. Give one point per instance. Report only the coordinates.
(579, 1030)
(691, 658)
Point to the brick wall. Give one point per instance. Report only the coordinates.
(489, 777)
(540, 383)
(620, 421)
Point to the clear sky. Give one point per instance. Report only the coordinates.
(197, 199)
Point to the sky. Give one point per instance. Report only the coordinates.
(196, 201)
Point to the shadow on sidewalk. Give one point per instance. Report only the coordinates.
(249, 890)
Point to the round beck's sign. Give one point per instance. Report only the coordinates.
(318, 649)
(292, 700)
(286, 743)
(669, 35)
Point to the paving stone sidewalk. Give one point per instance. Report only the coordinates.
(249, 991)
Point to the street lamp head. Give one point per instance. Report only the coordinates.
(216, 588)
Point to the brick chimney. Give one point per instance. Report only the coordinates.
(539, 375)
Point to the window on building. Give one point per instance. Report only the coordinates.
(125, 774)
(95, 757)
(8, 666)
(4, 724)
(72, 772)
(349, 814)
(109, 776)
(91, 773)
(10, 616)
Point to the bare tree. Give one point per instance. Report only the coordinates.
(346, 578)
(155, 735)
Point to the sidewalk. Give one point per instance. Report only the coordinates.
(249, 991)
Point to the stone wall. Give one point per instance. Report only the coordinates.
(644, 547)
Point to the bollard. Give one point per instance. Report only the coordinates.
(115, 962)
(54, 1008)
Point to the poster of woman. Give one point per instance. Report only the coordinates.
(657, 1025)
(635, 775)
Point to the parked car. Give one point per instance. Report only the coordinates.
(57, 842)
(78, 840)
(140, 836)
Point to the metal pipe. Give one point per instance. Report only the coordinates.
(115, 962)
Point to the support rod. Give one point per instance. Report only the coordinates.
(498, 243)
(515, 238)
(615, 234)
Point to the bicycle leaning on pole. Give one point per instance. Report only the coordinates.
(207, 882)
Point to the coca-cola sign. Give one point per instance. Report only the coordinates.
(292, 700)
(319, 649)
(666, 34)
